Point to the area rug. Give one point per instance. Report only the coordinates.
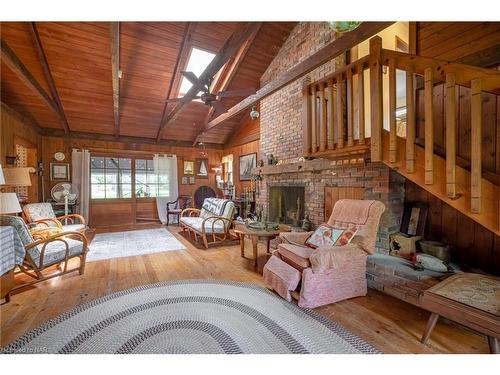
(190, 316)
(132, 243)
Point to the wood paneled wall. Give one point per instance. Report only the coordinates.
(105, 213)
(472, 244)
(473, 43)
(17, 129)
(245, 141)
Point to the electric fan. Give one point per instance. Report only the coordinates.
(63, 192)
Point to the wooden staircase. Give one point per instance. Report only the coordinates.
(331, 129)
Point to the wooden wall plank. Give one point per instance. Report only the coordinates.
(339, 115)
(350, 111)
(314, 120)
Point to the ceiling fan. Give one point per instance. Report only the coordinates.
(207, 97)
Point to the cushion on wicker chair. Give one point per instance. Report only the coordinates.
(55, 251)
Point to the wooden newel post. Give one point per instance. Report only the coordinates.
(376, 98)
(306, 116)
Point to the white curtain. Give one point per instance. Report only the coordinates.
(80, 179)
(165, 167)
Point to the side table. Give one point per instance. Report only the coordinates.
(470, 299)
(254, 234)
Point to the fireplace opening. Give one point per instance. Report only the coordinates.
(286, 204)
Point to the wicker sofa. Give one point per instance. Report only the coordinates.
(326, 275)
(211, 223)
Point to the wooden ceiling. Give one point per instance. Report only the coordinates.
(60, 75)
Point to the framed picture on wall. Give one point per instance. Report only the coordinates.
(59, 171)
(247, 163)
(188, 167)
(184, 180)
(191, 180)
(201, 168)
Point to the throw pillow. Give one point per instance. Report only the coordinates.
(324, 235)
(346, 236)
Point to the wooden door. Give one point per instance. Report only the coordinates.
(334, 193)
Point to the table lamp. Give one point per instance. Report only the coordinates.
(17, 176)
(9, 203)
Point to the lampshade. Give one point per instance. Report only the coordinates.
(17, 176)
(9, 203)
(2, 178)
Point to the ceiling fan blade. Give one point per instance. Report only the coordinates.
(191, 77)
(183, 99)
(218, 107)
(239, 92)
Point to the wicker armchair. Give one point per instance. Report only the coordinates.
(212, 222)
(42, 214)
(47, 251)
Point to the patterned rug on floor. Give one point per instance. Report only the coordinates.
(132, 243)
(190, 316)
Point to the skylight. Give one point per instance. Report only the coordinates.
(197, 63)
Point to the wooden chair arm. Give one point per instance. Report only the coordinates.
(44, 221)
(71, 216)
(189, 211)
(55, 236)
(216, 218)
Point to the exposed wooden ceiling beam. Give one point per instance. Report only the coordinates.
(123, 138)
(230, 70)
(228, 49)
(12, 61)
(325, 54)
(48, 74)
(114, 36)
(181, 56)
(24, 119)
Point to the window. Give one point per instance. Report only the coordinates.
(197, 63)
(110, 178)
(147, 183)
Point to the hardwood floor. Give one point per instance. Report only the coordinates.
(390, 325)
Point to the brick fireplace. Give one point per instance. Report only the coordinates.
(375, 180)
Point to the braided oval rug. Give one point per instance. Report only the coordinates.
(190, 316)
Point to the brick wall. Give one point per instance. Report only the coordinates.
(280, 120)
(281, 135)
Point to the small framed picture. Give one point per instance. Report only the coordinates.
(192, 180)
(59, 171)
(188, 167)
(184, 180)
(202, 168)
(247, 163)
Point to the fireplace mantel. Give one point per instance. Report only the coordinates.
(307, 166)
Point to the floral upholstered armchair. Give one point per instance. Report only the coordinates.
(42, 214)
(44, 253)
(211, 223)
(326, 274)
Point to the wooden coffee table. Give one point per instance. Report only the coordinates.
(243, 231)
(470, 299)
